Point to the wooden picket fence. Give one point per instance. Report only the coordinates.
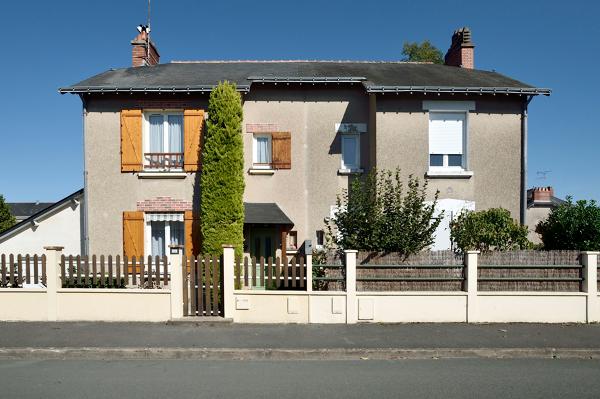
(269, 274)
(202, 286)
(20, 270)
(108, 272)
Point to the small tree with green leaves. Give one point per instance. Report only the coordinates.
(381, 213)
(422, 52)
(572, 225)
(7, 220)
(491, 229)
(222, 178)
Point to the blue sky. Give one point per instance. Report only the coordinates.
(46, 45)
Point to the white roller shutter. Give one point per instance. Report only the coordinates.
(446, 132)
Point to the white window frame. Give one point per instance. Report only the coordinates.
(445, 167)
(148, 236)
(255, 164)
(146, 133)
(343, 165)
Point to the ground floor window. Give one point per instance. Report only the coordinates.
(164, 231)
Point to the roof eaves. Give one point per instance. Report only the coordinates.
(161, 89)
(306, 79)
(40, 213)
(452, 89)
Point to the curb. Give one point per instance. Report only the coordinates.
(95, 353)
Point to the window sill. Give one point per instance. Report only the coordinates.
(345, 172)
(449, 174)
(162, 175)
(261, 171)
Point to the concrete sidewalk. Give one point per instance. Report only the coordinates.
(220, 340)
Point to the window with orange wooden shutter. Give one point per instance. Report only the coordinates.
(281, 150)
(131, 140)
(193, 122)
(133, 234)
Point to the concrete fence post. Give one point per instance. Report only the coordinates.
(176, 285)
(228, 281)
(351, 304)
(471, 259)
(53, 281)
(589, 260)
(309, 269)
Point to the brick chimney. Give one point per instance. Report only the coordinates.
(462, 50)
(542, 194)
(140, 56)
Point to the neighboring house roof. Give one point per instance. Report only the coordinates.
(41, 212)
(265, 213)
(373, 75)
(23, 210)
(552, 203)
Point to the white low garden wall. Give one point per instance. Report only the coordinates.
(273, 306)
(113, 305)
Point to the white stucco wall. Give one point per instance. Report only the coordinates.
(60, 227)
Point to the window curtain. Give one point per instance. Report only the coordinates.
(175, 133)
(158, 238)
(176, 233)
(262, 150)
(156, 134)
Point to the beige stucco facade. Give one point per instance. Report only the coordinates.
(397, 136)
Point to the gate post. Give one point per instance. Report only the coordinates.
(351, 305)
(228, 281)
(589, 260)
(471, 259)
(53, 281)
(176, 285)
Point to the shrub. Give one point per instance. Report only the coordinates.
(222, 179)
(491, 229)
(572, 225)
(375, 214)
(7, 220)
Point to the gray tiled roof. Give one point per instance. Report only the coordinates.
(23, 210)
(264, 213)
(375, 76)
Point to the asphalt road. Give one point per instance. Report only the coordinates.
(446, 379)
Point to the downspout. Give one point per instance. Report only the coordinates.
(85, 245)
(523, 213)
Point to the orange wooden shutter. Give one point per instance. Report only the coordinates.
(281, 150)
(193, 120)
(133, 234)
(131, 140)
(192, 234)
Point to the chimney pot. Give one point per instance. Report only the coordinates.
(462, 50)
(542, 194)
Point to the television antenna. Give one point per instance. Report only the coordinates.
(542, 174)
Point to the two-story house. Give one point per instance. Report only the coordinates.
(309, 128)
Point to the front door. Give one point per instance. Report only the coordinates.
(262, 242)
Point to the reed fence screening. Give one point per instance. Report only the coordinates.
(557, 271)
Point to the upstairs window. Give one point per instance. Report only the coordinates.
(350, 152)
(163, 141)
(271, 151)
(261, 158)
(447, 137)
